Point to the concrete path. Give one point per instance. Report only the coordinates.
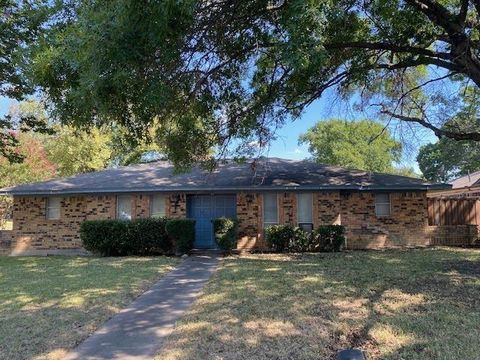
(138, 331)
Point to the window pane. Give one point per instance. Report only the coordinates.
(304, 206)
(382, 198)
(53, 208)
(382, 204)
(124, 208)
(157, 205)
(382, 209)
(270, 211)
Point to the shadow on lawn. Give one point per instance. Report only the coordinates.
(53, 303)
(395, 304)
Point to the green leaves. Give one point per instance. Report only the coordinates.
(363, 145)
(213, 77)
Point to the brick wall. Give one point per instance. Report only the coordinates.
(176, 205)
(249, 215)
(326, 208)
(407, 225)
(32, 231)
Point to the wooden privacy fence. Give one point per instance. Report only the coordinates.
(453, 211)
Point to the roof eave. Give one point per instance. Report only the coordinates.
(421, 187)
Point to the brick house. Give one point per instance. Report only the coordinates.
(378, 210)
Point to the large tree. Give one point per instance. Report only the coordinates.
(361, 145)
(21, 25)
(35, 167)
(448, 159)
(215, 75)
(71, 150)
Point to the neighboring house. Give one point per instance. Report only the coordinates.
(378, 210)
(465, 186)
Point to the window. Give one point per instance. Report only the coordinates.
(270, 209)
(382, 204)
(304, 211)
(157, 205)
(53, 208)
(124, 207)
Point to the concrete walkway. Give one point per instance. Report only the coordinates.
(138, 331)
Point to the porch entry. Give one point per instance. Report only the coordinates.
(205, 208)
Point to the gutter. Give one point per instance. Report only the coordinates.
(260, 188)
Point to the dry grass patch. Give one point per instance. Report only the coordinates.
(415, 304)
(49, 304)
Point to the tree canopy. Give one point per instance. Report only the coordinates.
(448, 159)
(363, 145)
(20, 27)
(211, 77)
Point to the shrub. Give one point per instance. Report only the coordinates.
(278, 237)
(120, 237)
(287, 238)
(182, 233)
(104, 237)
(301, 240)
(328, 238)
(149, 236)
(225, 232)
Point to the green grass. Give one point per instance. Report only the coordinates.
(413, 304)
(49, 304)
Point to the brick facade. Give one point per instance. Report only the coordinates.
(406, 226)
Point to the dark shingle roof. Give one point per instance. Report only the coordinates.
(263, 174)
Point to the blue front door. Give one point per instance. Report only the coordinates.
(205, 208)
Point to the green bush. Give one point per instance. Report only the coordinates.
(182, 233)
(120, 237)
(329, 238)
(278, 237)
(288, 238)
(149, 236)
(225, 231)
(300, 242)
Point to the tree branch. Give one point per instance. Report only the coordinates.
(389, 47)
(474, 136)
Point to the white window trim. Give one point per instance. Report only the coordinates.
(265, 224)
(384, 203)
(164, 205)
(117, 202)
(49, 207)
(311, 210)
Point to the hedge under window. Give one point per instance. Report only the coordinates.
(124, 207)
(304, 211)
(53, 208)
(382, 204)
(157, 205)
(270, 209)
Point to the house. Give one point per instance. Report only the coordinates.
(378, 210)
(464, 186)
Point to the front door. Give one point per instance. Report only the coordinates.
(205, 208)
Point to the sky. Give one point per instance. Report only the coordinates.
(286, 144)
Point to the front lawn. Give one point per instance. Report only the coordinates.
(412, 304)
(50, 304)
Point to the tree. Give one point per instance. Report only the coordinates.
(35, 167)
(448, 159)
(71, 150)
(363, 145)
(75, 152)
(219, 74)
(20, 26)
